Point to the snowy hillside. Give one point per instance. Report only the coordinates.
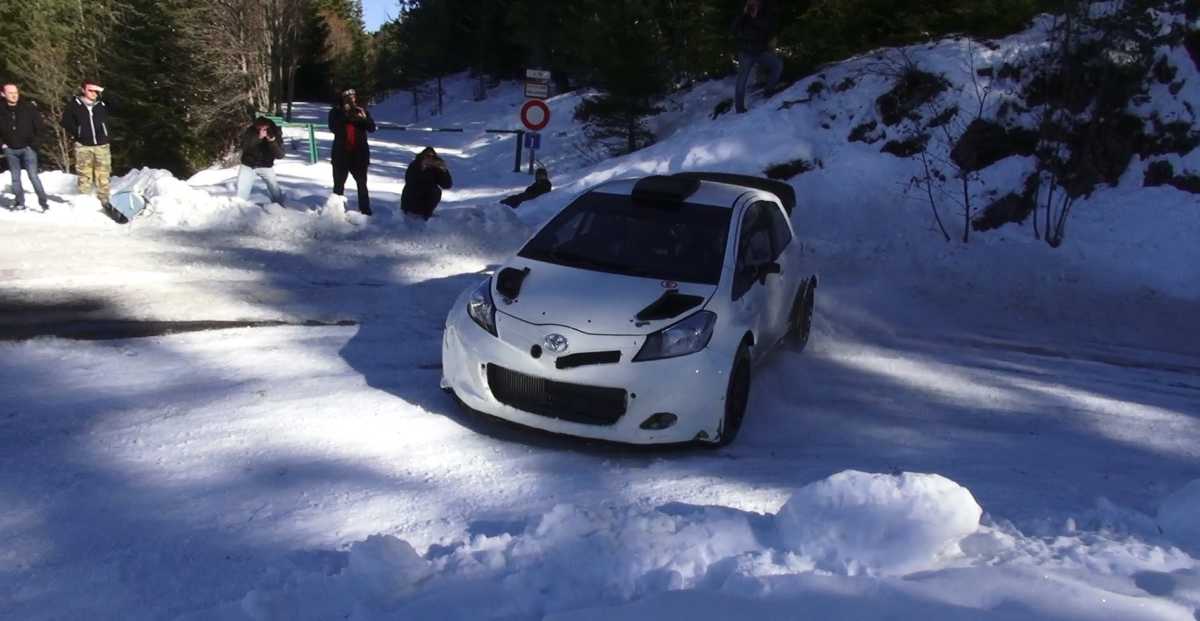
(992, 430)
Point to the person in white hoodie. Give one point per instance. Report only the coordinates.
(85, 119)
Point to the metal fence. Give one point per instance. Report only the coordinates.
(310, 128)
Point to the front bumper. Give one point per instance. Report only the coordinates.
(691, 387)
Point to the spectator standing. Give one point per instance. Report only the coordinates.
(753, 31)
(20, 128)
(85, 120)
(350, 124)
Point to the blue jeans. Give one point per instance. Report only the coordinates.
(27, 159)
(746, 63)
(245, 183)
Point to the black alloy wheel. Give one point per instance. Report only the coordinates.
(737, 397)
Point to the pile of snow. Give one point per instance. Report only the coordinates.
(855, 522)
(889, 532)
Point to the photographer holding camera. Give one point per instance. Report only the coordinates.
(350, 124)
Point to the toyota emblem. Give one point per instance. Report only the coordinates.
(556, 343)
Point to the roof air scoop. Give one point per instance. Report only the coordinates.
(670, 304)
(660, 190)
(509, 281)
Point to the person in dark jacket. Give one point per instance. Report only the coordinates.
(350, 124)
(85, 120)
(753, 31)
(424, 181)
(262, 144)
(20, 127)
(540, 185)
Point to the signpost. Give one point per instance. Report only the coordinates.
(535, 114)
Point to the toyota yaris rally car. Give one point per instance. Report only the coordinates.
(638, 312)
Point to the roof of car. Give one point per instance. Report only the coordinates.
(709, 192)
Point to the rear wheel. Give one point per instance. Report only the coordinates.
(802, 312)
(737, 396)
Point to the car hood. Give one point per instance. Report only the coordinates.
(594, 302)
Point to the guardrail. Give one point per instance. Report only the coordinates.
(312, 139)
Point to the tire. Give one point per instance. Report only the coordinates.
(802, 312)
(737, 396)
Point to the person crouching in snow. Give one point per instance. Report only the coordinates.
(424, 181)
(350, 124)
(262, 144)
(540, 185)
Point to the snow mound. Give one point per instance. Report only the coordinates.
(1179, 516)
(386, 567)
(855, 522)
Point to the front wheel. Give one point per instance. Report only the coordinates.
(737, 396)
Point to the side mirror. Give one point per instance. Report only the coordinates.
(772, 268)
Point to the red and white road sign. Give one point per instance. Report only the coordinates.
(535, 114)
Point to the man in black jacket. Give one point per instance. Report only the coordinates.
(753, 30)
(20, 127)
(350, 124)
(85, 120)
(262, 144)
(424, 181)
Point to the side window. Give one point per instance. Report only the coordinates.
(781, 235)
(754, 248)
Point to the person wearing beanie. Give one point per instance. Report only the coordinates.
(350, 124)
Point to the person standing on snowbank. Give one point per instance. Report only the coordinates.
(350, 124)
(753, 30)
(20, 127)
(85, 120)
(424, 181)
(262, 144)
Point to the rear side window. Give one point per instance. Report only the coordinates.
(755, 248)
(781, 235)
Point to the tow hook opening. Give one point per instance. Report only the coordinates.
(659, 421)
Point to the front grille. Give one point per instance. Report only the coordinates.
(590, 405)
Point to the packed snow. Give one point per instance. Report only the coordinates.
(993, 430)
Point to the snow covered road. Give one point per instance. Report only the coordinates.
(318, 472)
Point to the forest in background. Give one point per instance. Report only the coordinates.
(185, 75)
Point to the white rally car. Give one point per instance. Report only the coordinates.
(636, 314)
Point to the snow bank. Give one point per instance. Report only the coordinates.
(708, 563)
(574, 557)
(1179, 517)
(855, 522)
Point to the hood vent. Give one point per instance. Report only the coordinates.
(669, 304)
(509, 281)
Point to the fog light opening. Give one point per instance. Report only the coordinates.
(662, 420)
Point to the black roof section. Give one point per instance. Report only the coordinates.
(659, 189)
(785, 192)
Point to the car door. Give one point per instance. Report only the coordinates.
(751, 299)
(781, 287)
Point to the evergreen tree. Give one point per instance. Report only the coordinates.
(630, 74)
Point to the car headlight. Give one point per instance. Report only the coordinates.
(686, 337)
(481, 308)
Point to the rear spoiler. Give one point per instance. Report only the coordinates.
(785, 192)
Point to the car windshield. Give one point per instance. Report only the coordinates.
(612, 233)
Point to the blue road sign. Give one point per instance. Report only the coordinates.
(533, 140)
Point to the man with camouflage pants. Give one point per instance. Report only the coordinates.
(86, 120)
